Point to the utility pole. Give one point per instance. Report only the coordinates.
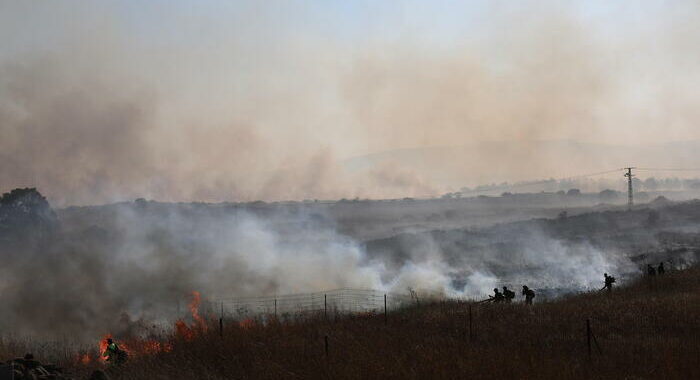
(630, 200)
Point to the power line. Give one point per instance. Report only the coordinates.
(594, 174)
(626, 170)
(544, 181)
(671, 169)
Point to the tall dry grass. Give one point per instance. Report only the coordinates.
(646, 330)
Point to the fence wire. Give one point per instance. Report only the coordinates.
(337, 301)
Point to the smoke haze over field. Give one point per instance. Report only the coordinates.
(249, 100)
(81, 273)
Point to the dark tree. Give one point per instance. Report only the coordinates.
(608, 195)
(25, 210)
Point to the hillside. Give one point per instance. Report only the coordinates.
(649, 329)
(487, 162)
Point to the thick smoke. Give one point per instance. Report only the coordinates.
(97, 104)
(144, 260)
(101, 269)
(262, 102)
(469, 264)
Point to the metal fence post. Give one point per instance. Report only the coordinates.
(221, 321)
(471, 333)
(588, 337)
(385, 315)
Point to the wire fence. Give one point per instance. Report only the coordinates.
(337, 301)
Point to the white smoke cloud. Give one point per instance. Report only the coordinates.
(144, 258)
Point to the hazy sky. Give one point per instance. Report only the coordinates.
(241, 100)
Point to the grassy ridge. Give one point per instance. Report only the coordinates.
(649, 329)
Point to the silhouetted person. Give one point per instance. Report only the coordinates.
(508, 295)
(497, 296)
(651, 271)
(609, 281)
(529, 295)
(661, 269)
(113, 353)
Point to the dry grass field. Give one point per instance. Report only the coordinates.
(649, 329)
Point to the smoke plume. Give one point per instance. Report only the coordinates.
(103, 102)
(110, 268)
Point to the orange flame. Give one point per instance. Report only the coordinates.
(151, 347)
(183, 331)
(85, 359)
(134, 346)
(137, 346)
(194, 310)
(246, 323)
(103, 346)
(199, 325)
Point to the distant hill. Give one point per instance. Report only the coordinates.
(489, 162)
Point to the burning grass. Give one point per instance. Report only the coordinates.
(649, 329)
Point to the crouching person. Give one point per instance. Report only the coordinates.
(113, 353)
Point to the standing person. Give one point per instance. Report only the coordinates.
(661, 269)
(609, 281)
(651, 271)
(529, 295)
(508, 295)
